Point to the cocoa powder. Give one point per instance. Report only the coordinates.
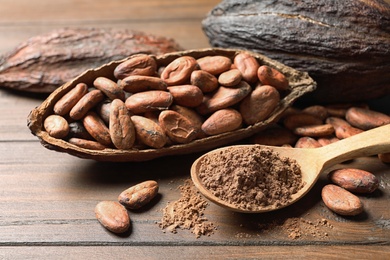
(187, 213)
(251, 178)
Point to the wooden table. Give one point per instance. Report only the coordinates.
(47, 199)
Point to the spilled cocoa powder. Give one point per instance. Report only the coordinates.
(187, 213)
(251, 178)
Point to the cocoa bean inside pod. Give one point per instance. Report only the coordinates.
(344, 46)
(300, 83)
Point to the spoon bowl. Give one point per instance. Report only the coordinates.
(312, 161)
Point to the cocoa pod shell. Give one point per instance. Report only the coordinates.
(45, 62)
(300, 84)
(344, 46)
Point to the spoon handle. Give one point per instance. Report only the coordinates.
(368, 143)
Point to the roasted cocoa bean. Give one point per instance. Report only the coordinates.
(113, 216)
(248, 66)
(179, 71)
(230, 78)
(67, 102)
(259, 104)
(366, 119)
(341, 201)
(139, 83)
(204, 80)
(317, 111)
(56, 126)
(354, 180)
(186, 95)
(138, 195)
(121, 127)
(86, 103)
(307, 142)
(143, 65)
(272, 77)
(214, 64)
(149, 101)
(177, 127)
(346, 131)
(222, 121)
(314, 130)
(149, 132)
(109, 88)
(96, 128)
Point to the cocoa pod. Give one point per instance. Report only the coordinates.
(138, 195)
(45, 62)
(348, 65)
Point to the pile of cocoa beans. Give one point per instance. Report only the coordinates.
(317, 126)
(145, 106)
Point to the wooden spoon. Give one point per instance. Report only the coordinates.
(312, 161)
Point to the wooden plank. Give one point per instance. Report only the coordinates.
(204, 252)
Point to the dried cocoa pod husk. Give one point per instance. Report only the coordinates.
(300, 84)
(45, 62)
(344, 47)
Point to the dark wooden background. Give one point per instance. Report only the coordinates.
(47, 199)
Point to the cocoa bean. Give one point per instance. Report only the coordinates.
(142, 65)
(230, 78)
(67, 102)
(247, 65)
(259, 104)
(272, 77)
(77, 130)
(314, 130)
(56, 126)
(109, 88)
(96, 128)
(301, 119)
(342, 132)
(317, 111)
(121, 127)
(275, 136)
(307, 142)
(148, 132)
(63, 54)
(205, 81)
(86, 103)
(354, 180)
(177, 127)
(186, 95)
(341, 201)
(366, 119)
(138, 195)
(384, 157)
(222, 121)
(140, 83)
(113, 216)
(214, 64)
(179, 71)
(86, 144)
(149, 101)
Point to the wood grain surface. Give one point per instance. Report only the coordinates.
(47, 198)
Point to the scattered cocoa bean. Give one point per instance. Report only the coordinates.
(113, 216)
(366, 119)
(138, 195)
(293, 121)
(341, 201)
(275, 136)
(354, 180)
(315, 130)
(307, 142)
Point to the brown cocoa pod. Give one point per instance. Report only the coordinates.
(52, 66)
(140, 83)
(205, 81)
(149, 101)
(272, 77)
(366, 119)
(113, 216)
(222, 121)
(307, 142)
(230, 78)
(214, 64)
(314, 130)
(348, 65)
(121, 127)
(248, 66)
(354, 180)
(67, 102)
(56, 126)
(96, 128)
(109, 88)
(86, 144)
(179, 71)
(341, 201)
(142, 65)
(149, 132)
(177, 127)
(275, 136)
(86, 103)
(224, 98)
(300, 83)
(259, 104)
(138, 195)
(186, 95)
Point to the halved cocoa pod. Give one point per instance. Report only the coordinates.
(300, 84)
